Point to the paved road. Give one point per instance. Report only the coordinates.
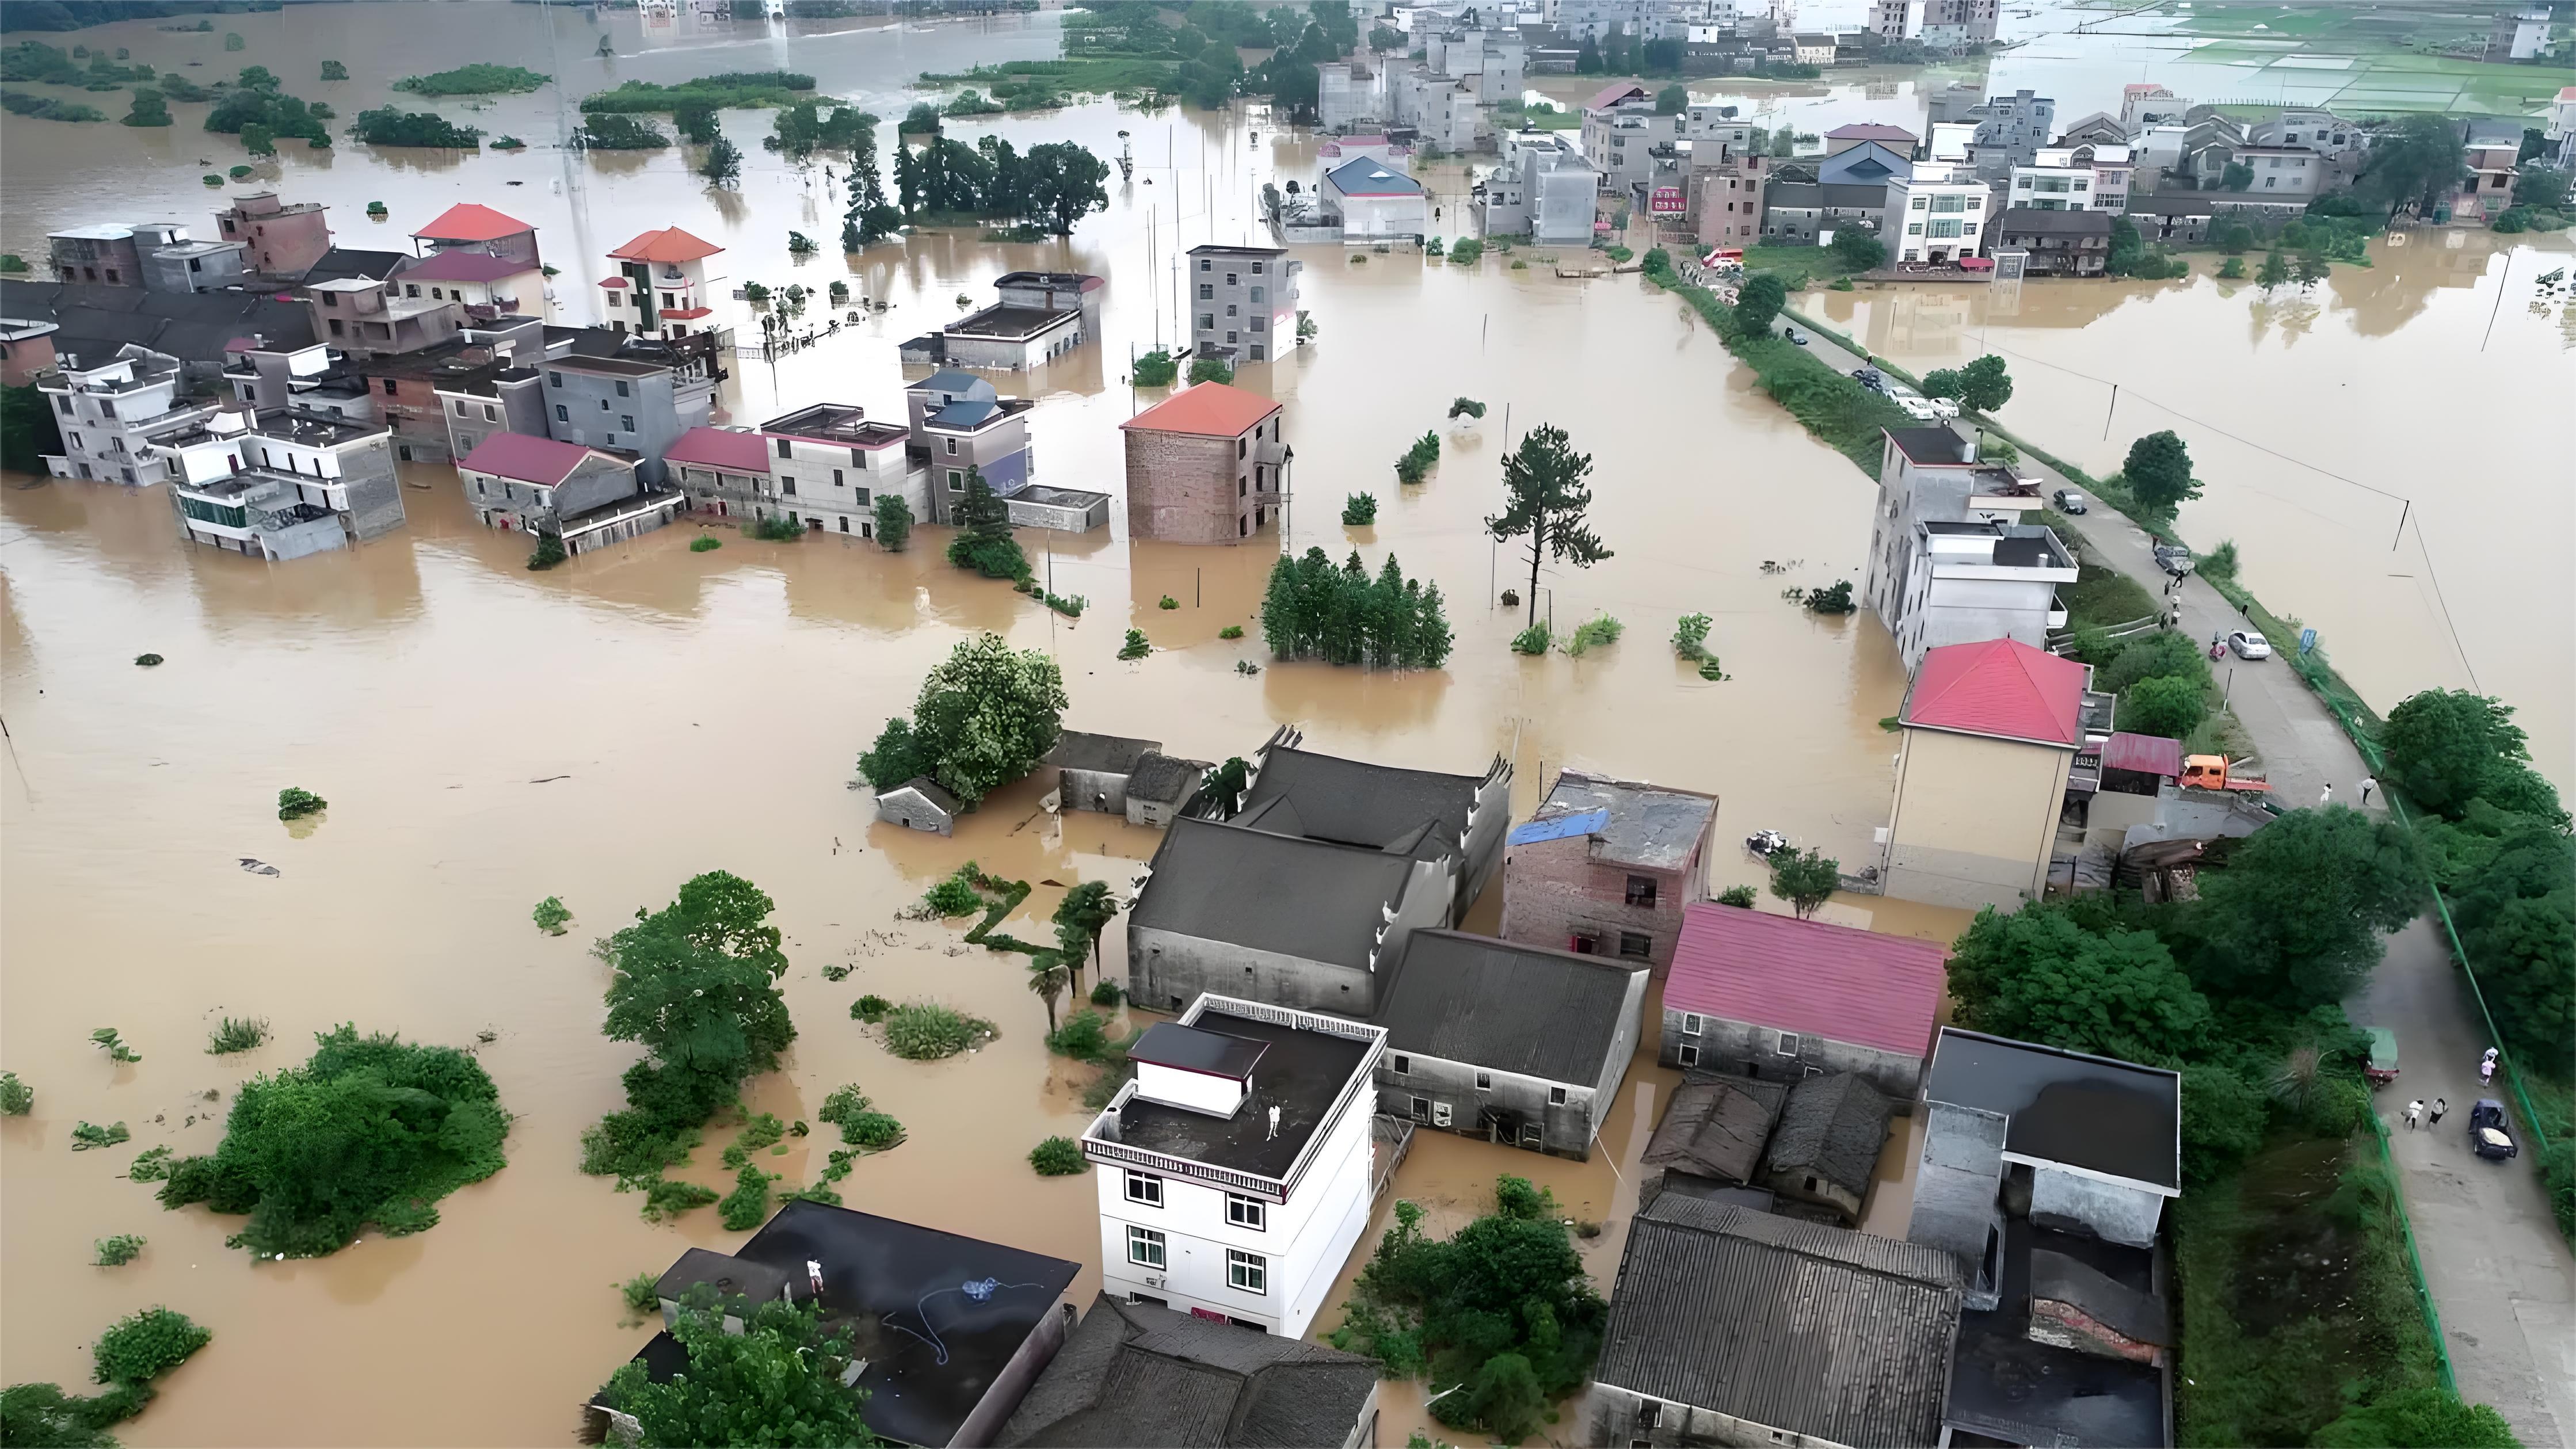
(2501, 1276)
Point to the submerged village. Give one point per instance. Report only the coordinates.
(902, 811)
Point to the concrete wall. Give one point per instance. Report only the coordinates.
(1975, 820)
(2118, 1212)
(984, 1424)
(913, 813)
(1956, 1180)
(1164, 968)
(2108, 818)
(1747, 1050)
(1101, 790)
(1183, 488)
(375, 495)
(1613, 1416)
(593, 414)
(1567, 1128)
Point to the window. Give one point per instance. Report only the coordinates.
(491, 414)
(1439, 1113)
(626, 422)
(1403, 1064)
(668, 300)
(1231, 279)
(836, 479)
(562, 414)
(1145, 1246)
(783, 446)
(1690, 1023)
(1920, 202)
(435, 294)
(1144, 1187)
(336, 329)
(1230, 310)
(1647, 1413)
(952, 447)
(621, 390)
(389, 387)
(1641, 890)
(554, 379)
(1636, 944)
(1242, 446)
(1556, 1096)
(862, 498)
(1207, 292)
(1247, 1271)
(1257, 295)
(1689, 1056)
(411, 289)
(956, 481)
(1422, 1109)
(1914, 228)
(1484, 1081)
(1787, 1045)
(787, 485)
(1256, 269)
(1247, 1212)
(1206, 320)
(1205, 264)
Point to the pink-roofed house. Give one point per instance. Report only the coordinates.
(587, 498)
(1775, 997)
(723, 471)
(1992, 733)
(471, 226)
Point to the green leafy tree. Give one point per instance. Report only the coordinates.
(2430, 1417)
(2235, 176)
(1048, 979)
(1757, 302)
(983, 542)
(894, 522)
(2158, 472)
(779, 1381)
(27, 429)
(151, 108)
(1984, 386)
(1067, 183)
(2417, 166)
(2224, 1118)
(2444, 747)
(334, 70)
(1210, 369)
(1806, 879)
(983, 718)
(2295, 919)
(1858, 251)
(723, 163)
(1742, 897)
(1313, 610)
(1672, 100)
(2275, 271)
(2160, 655)
(898, 755)
(1090, 908)
(1545, 502)
(1155, 369)
(2169, 707)
(2038, 976)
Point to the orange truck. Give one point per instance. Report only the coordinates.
(2213, 772)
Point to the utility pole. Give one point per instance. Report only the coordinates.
(2401, 524)
(2106, 412)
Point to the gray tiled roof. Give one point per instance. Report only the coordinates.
(1164, 779)
(1715, 1126)
(1833, 1126)
(1106, 754)
(1282, 893)
(1359, 803)
(1790, 1325)
(1547, 1014)
(1650, 827)
(1136, 1375)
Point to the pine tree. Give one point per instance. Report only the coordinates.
(1431, 637)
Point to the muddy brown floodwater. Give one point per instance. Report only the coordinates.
(488, 737)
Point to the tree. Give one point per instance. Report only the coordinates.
(2235, 176)
(1210, 369)
(1806, 879)
(1757, 302)
(2158, 655)
(2294, 920)
(1546, 503)
(151, 108)
(983, 542)
(2158, 470)
(894, 522)
(1672, 100)
(2541, 187)
(1048, 977)
(258, 140)
(2038, 976)
(27, 429)
(2232, 237)
(1067, 182)
(2310, 268)
(2430, 1417)
(1941, 382)
(778, 1381)
(2275, 271)
(2443, 747)
(1984, 386)
(1313, 610)
(1587, 57)
(1088, 907)
(983, 718)
(2417, 166)
(2169, 707)
(723, 163)
(1857, 250)
(334, 70)
(921, 120)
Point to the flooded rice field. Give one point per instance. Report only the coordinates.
(488, 737)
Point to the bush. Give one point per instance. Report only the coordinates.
(1417, 460)
(117, 1251)
(778, 528)
(1857, 250)
(2161, 654)
(870, 1009)
(1742, 897)
(16, 1097)
(1137, 645)
(1168, 602)
(1083, 1037)
(1230, 631)
(466, 80)
(1532, 640)
(665, 1199)
(747, 1206)
(294, 803)
(1466, 252)
(550, 914)
(1466, 407)
(388, 126)
(150, 1165)
(548, 552)
(2166, 706)
(107, 1040)
(236, 1034)
(334, 70)
(1835, 600)
(641, 1292)
(143, 1346)
(89, 1135)
(1155, 369)
(955, 896)
(1211, 369)
(1690, 636)
(2427, 1416)
(922, 1031)
(1604, 630)
(1360, 510)
(1057, 1157)
(1104, 993)
(894, 522)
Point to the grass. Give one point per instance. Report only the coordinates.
(924, 1031)
(665, 1199)
(236, 1034)
(479, 79)
(1796, 266)
(735, 90)
(2104, 596)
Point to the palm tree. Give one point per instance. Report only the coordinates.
(1090, 908)
(1048, 977)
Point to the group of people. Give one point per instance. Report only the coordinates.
(2417, 1113)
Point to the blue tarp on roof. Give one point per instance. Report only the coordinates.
(1559, 827)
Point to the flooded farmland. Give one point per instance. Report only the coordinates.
(488, 737)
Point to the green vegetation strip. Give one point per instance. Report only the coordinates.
(733, 90)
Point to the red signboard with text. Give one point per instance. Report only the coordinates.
(1665, 201)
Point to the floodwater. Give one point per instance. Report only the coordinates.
(488, 737)
(2387, 449)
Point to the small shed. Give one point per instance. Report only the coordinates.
(919, 804)
(1826, 1148)
(1713, 1131)
(1092, 770)
(1160, 785)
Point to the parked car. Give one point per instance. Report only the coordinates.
(1794, 335)
(1920, 409)
(2249, 645)
(2173, 558)
(2382, 1067)
(2068, 500)
(1871, 378)
(2488, 1136)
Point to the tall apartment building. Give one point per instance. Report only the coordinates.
(1941, 24)
(1950, 561)
(284, 484)
(2011, 129)
(1237, 1168)
(1205, 465)
(1623, 138)
(1935, 214)
(1243, 301)
(624, 404)
(111, 414)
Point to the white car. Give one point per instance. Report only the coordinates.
(2249, 645)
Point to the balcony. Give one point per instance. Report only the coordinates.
(1997, 490)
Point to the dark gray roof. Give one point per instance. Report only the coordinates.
(2026, 551)
(1107, 754)
(339, 264)
(1547, 1014)
(729, 1276)
(2173, 203)
(2095, 1113)
(94, 321)
(1939, 446)
(1355, 802)
(2008, 1387)
(1715, 1126)
(2031, 221)
(1136, 1375)
(1281, 893)
(1834, 1127)
(1811, 196)
(1198, 1049)
(1790, 1325)
(1303, 1074)
(1164, 779)
(1649, 827)
(928, 789)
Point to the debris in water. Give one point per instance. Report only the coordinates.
(258, 867)
(549, 779)
(147, 660)
(486, 1037)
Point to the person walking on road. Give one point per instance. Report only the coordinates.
(2414, 1112)
(2367, 785)
(2486, 1072)
(2327, 798)
(2439, 1107)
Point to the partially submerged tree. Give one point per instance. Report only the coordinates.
(983, 718)
(778, 1381)
(1546, 501)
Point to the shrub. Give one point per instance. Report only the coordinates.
(1104, 993)
(922, 1031)
(641, 1292)
(747, 1206)
(1619, 256)
(894, 522)
(117, 1251)
(236, 1034)
(1417, 460)
(1155, 369)
(389, 126)
(1360, 509)
(778, 528)
(705, 543)
(211, 179)
(1083, 1037)
(1690, 636)
(550, 914)
(143, 1346)
(956, 895)
(1466, 407)
(761, 1131)
(294, 803)
(2158, 655)
(150, 1165)
(16, 1097)
(1230, 631)
(106, 1040)
(2165, 706)
(89, 1135)
(1056, 1157)
(1137, 645)
(1739, 896)
(549, 552)
(1835, 600)
(1211, 369)
(664, 1199)
(870, 1009)
(1604, 630)
(1532, 640)
(1168, 602)
(1466, 252)
(238, 172)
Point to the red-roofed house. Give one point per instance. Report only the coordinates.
(1991, 732)
(1775, 997)
(1205, 465)
(660, 285)
(467, 226)
(585, 497)
(723, 471)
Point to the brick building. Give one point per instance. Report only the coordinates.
(1606, 867)
(1205, 466)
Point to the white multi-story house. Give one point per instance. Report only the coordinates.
(1936, 214)
(1950, 561)
(2074, 178)
(111, 415)
(1236, 1170)
(282, 484)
